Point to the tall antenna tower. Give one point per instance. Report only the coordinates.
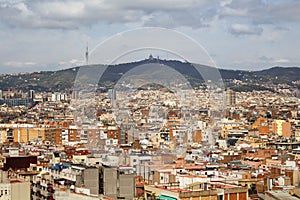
(87, 54)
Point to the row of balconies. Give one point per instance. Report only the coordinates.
(58, 174)
(43, 192)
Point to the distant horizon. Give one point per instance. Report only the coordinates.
(70, 67)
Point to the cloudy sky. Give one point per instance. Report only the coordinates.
(238, 34)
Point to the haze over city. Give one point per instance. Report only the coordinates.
(49, 35)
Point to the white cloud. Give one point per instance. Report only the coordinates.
(281, 60)
(244, 29)
(72, 14)
(225, 3)
(19, 64)
(227, 11)
(70, 63)
(265, 59)
(263, 11)
(53, 32)
(274, 60)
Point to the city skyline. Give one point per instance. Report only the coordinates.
(51, 35)
(173, 99)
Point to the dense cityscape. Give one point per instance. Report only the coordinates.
(149, 100)
(159, 151)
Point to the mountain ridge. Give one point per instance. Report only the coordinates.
(63, 80)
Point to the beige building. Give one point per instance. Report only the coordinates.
(282, 128)
(28, 134)
(13, 189)
(20, 190)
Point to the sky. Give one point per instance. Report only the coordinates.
(39, 35)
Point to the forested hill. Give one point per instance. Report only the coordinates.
(63, 79)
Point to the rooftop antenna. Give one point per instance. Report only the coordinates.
(87, 54)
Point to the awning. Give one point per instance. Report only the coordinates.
(166, 197)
